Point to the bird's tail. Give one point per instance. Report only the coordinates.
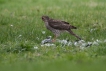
(73, 27)
(74, 34)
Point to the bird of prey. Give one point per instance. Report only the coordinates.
(58, 26)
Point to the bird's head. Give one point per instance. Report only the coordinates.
(45, 18)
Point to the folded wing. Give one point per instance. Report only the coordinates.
(60, 25)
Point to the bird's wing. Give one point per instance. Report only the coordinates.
(60, 25)
(71, 26)
(65, 22)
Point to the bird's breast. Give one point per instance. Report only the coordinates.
(47, 25)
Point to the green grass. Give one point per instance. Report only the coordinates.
(21, 30)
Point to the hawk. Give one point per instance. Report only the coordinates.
(58, 26)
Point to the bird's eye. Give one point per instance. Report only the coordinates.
(42, 17)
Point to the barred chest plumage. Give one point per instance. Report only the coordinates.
(55, 31)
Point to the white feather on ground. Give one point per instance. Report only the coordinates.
(81, 43)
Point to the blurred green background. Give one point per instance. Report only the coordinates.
(21, 30)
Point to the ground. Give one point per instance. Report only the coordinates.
(22, 31)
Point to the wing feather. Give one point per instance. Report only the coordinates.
(65, 22)
(60, 25)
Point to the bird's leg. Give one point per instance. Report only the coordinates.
(74, 34)
(54, 39)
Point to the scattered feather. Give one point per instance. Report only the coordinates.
(47, 44)
(43, 32)
(80, 43)
(35, 47)
(47, 40)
